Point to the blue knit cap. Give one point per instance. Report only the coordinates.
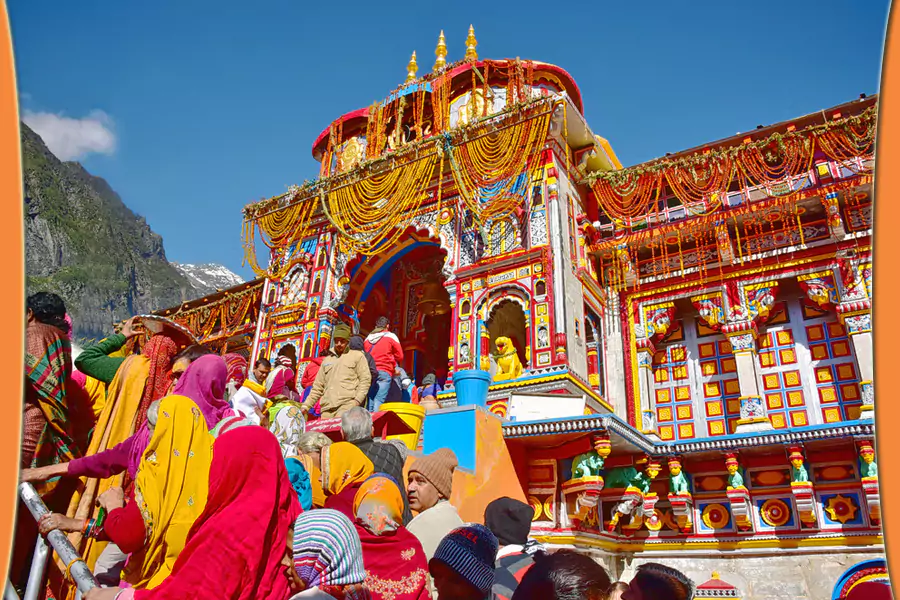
(470, 551)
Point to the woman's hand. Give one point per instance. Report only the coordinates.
(43, 473)
(112, 499)
(99, 593)
(51, 521)
(131, 328)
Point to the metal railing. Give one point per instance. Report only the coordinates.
(78, 569)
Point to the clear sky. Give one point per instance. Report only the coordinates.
(193, 109)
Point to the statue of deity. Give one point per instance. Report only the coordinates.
(799, 473)
(678, 483)
(735, 479)
(867, 466)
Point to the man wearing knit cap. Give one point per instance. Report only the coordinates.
(510, 521)
(429, 484)
(343, 380)
(463, 564)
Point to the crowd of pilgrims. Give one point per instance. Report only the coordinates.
(184, 474)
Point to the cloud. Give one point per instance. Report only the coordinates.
(73, 139)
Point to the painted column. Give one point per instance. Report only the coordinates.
(614, 357)
(645, 351)
(593, 370)
(754, 416)
(556, 252)
(858, 325)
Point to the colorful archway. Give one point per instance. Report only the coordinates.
(860, 580)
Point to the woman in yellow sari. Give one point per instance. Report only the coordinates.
(170, 489)
(344, 469)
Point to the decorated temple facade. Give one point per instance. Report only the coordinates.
(680, 351)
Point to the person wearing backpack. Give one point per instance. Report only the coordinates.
(385, 348)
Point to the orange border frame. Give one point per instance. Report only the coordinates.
(12, 305)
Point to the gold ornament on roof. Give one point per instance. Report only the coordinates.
(441, 53)
(471, 43)
(411, 68)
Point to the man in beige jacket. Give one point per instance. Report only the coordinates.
(343, 380)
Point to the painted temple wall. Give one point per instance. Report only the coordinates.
(786, 575)
(572, 300)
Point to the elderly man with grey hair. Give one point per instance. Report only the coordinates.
(357, 428)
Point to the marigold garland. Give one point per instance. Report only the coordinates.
(626, 196)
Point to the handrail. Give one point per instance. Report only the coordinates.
(78, 569)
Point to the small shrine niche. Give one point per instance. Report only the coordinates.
(507, 320)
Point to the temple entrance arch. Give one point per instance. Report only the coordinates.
(406, 284)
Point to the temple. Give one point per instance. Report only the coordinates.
(679, 352)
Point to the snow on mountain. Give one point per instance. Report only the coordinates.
(209, 278)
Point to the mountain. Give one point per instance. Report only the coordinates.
(208, 278)
(83, 243)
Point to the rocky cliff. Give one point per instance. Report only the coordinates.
(83, 243)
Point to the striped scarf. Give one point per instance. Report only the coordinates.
(328, 553)
(48, 367)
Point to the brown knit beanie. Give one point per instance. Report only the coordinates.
(437, 468)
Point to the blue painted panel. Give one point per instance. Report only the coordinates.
(454, 429)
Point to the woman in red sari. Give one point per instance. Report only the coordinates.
(396, 567)
(235, 548)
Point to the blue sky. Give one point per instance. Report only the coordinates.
(193, 109)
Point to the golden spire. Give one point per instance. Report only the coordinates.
(411, 68)
(471, 42)
(441, 53)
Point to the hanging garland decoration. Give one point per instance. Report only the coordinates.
(368, 213)
(625, 196)
(279, 230)
(369, 204)
(229, 312)
(488, 165)
(672, 235)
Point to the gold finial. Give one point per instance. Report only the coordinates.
(471, 42)
(441, 53)
(715, 574)
(411, 68)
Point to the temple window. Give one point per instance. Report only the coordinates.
(295, 288)
(317, 285)
(540, 288)
(307, 348)
(780, 369)
(313, 311)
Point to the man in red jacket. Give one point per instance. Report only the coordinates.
(385, 349)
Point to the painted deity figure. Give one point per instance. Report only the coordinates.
(508, 364)
(867, 466)
(735, 479)
(678, 483)
(799, 473)
(588, 464)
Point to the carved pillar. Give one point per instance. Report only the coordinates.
(868, 471)
(833, 211)
(802, 488)
(593, 366)
(754, 416)
(645, 351)
(614, 357)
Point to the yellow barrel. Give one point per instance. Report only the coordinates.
(413, 415)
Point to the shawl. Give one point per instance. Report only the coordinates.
(396, 568)
(278, 382)
(430, 526)
(300, 481)
(343, 464)
(115, 424)
(287, 423)
(378, 504)
(315, 479)
(328, 554)
(237, 367)
(48, 371)
(170, 488)
(235, 547)
(204, 383)
(160, 351)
